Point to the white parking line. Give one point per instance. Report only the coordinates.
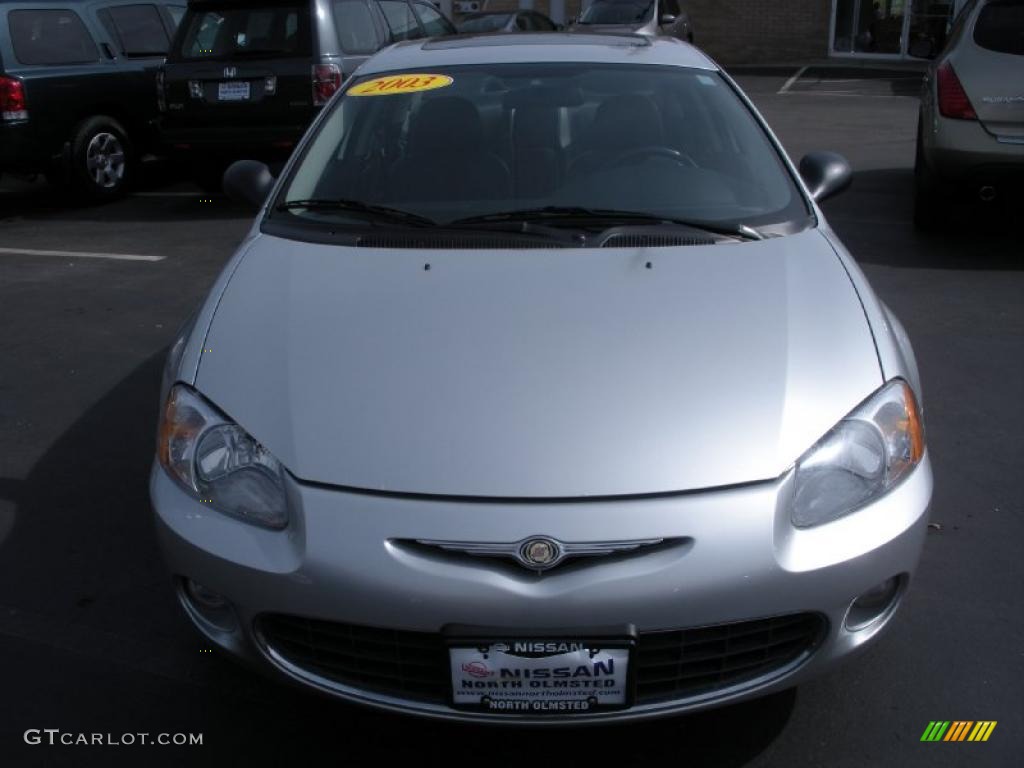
(786, 89)
(197, 193)
(80, 254)
(866, 79)
(852, 93)
(789, 83)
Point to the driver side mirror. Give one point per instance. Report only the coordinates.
(666, 19)
(248, 182)
(826, 174)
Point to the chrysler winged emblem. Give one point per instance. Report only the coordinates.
(540, 553)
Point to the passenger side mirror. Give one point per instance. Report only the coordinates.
(666, 19)
(826, 174)
(248, 182)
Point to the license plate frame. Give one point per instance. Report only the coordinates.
(544, 696)
(234, 90)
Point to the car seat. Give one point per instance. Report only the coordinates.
(446, 157)
(621, 123)
(538, 161)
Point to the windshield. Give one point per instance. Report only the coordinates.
(489, 23)
(618, 12)
(230, 30)
(472, 141)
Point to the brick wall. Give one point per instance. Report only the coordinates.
(761, 31)
(742, 31)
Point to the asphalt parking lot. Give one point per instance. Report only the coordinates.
(91, 638)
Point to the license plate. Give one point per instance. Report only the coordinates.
(541, 677)
(233, 90)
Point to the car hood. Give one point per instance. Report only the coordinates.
(539, 373)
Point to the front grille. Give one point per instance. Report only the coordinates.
(412, 665)
(673, 665)
(697, 662)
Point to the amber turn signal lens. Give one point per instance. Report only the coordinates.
(915, 428)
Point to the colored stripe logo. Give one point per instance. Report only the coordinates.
(958, 730)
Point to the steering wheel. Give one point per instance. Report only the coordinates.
(650, 151)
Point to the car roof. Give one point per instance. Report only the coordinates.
(530, 48)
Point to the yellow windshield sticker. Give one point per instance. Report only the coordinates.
(385, 86)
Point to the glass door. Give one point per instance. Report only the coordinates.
(929, 25)
(869, 27)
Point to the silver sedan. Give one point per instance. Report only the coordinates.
(541, 391)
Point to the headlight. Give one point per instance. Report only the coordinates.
(863, 457)
(219, 462)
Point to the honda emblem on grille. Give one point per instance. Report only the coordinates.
(230, 71)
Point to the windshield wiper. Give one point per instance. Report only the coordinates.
(577, 213)
(357, 206)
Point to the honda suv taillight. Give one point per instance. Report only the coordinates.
(326, 80)
(12, 99)
(953, 101)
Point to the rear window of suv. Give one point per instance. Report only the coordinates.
(401, 22)
(51, 37)
(356, 31)
(137, 29)
(1000, 27)
(240, 30)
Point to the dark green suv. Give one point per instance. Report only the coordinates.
(244, 78)
(77, 89)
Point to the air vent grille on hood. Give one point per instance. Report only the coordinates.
(451, 242)
(648, 240)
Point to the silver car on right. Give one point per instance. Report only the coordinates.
(970, 140)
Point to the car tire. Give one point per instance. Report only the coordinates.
(931, 207)
(101, 164)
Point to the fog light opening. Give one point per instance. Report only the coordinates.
(875, 605)
(209, 606)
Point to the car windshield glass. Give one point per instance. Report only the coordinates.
(470, 141)
(618, 12)
(229, 30)
(1000, 27)
(488, 23)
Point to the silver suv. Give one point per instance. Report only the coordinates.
(971, 132)
(645, 17)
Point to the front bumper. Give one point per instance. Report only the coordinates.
(181, 135)
(343, 559)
